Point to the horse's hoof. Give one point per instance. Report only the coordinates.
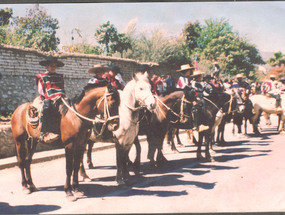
(78, 193)
(201, 158)
(33, 188)
(91, 166)
(70, 197)
(175, 151)
(26, 190)
(86, 179)
(210, 159)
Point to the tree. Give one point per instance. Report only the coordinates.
(157, 48)
(217, 42)
(37, 30)
(121, 43)
(191, 33)
(277, 60)
(105, 34)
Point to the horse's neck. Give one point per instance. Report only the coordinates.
(90, 101)
(127, 105)
(163, 105)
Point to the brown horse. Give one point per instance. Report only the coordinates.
(74, 131)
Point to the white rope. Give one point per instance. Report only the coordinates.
(86, 118)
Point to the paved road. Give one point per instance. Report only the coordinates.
(248, 175)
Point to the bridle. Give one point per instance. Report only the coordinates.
(181, 115)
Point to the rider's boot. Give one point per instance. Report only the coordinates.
(196, 110)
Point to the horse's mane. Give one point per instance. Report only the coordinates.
(78, 97)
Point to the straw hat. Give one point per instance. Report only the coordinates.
(185, 67)
(272, 76)
(215, 62)
(98, 68)
(49, 60)
(239, 76)
(197, 73)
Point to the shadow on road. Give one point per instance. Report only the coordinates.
(26, 209)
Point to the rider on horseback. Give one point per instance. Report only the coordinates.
(185, 81)
(51, 89)
(273, 89)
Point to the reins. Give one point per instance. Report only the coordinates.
(230, 105)
(107, 116)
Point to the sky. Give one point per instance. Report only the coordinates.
(261, 23)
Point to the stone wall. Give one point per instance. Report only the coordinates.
(20, 65)
(18, 85)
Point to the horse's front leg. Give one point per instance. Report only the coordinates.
(151, 151)
(137, 162)
(78, 158)
(121, 161)
(90, 144)
(208, 139)
(199, 148)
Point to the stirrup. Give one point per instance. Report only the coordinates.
(48, 137)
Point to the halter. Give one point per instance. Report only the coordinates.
(140, 102)
(230, 106)
(181, 115)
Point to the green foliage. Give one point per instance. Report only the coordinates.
(107, 35)
(157, 48)
(191, 33)
(121, 43)
(217, 42)
(36, 30)
(5, 16)
(277, 60)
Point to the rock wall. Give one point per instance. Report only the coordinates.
(20, 65)
(18, 85)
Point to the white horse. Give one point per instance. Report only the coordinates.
(136, 95)
(262, 103)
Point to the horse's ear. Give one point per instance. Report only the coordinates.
(135, 76)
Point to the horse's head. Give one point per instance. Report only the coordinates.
(142, 91)
(238, 99)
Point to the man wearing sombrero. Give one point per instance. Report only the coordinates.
(98, 70)
(51, 89)
(184, 81)
(273, 89)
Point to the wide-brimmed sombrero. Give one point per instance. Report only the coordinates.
(49, 60)
(99, 68)
(185, 67)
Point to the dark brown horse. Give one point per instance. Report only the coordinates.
(74, 131)
(172, 111)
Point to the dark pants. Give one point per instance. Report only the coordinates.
(50, 116)
(197, 115)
